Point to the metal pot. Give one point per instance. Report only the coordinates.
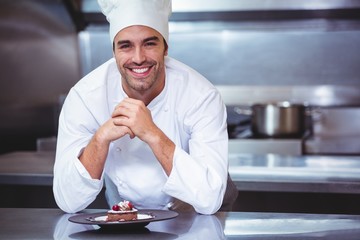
(277, 120)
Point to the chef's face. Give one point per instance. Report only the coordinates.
(139, 52)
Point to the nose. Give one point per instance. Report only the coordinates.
(139, 56)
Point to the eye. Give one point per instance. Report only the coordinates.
(124, 46)
(151, 43)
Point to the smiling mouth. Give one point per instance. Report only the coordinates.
(140, 70)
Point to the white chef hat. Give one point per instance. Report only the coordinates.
(124, 13)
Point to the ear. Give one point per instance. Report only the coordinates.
(166, 47)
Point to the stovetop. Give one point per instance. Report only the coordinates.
(242, 140)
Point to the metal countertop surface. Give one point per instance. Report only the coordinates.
(27, 168)
(250, 172)
(53, 224)
(271, 172)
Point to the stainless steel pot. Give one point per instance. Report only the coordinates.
(277, 120)
(281, 119)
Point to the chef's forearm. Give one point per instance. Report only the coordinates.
(199, 179)
(163, 149)
(94, 156)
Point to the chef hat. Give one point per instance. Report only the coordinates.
(124, 13)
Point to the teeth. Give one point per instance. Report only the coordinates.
(140, 70)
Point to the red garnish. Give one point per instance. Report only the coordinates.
(131, 206)
(116, 207)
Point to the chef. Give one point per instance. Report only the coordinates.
(148, 126)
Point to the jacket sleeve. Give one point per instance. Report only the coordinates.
(199, 175)
(73, 187)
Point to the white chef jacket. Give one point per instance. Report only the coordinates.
(189, 111)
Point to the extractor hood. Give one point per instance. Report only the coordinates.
(85, 12)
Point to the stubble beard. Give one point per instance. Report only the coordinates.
(142, 84)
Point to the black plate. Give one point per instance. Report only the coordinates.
(153, 216)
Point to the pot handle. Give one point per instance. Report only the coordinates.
(243, 111)
(315, 114)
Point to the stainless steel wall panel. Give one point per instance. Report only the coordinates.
(309, 61)
(39, 62)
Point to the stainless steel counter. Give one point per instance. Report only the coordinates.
(17, 223)
(250, 172)
(327, 174)
(27, 168)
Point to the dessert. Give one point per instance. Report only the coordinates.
(123, 211)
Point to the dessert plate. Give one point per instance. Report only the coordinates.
(145, 216)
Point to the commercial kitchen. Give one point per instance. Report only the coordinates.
(288, 72)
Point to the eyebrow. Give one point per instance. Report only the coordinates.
(153, 38)
(123, 42)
